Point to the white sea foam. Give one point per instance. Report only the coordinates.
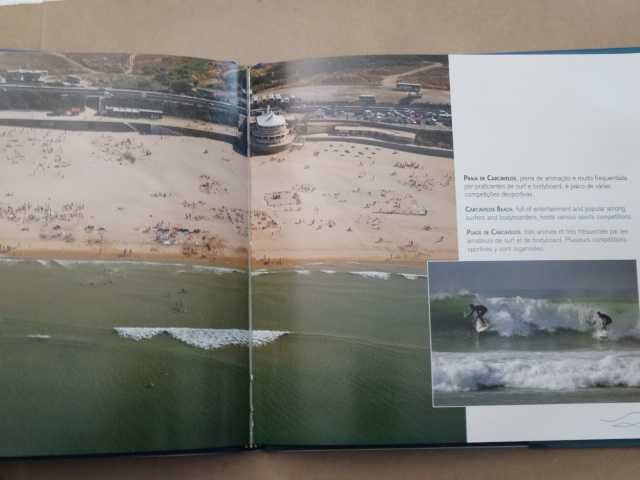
(445, 295)
(520, 316)
(40, 336)
(555, 371)
(412, 276)
(257, 273)
(217, 270)
(370, 274)
(66, 263)
(205, 338)
(11, 260)
(71, 263)
(373, 274)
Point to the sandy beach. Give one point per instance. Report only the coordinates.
(338, 202)
(121, 195)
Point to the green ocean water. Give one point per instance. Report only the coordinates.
(354, 369)
(71, 385)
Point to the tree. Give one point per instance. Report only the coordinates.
(181, 86)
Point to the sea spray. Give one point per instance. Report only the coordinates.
(520, 316)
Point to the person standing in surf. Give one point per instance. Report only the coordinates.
(480, 311)
(605, 320)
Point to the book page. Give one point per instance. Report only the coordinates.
(123, 254)
(545, 153)
(513, 177)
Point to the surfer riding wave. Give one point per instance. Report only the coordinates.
(479, 311)
(605, 320)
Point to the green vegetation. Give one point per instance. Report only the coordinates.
(356, 70)
(180, 75)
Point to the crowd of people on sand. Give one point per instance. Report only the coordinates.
(16, 143)
(124, 151)
(407, 194)
(190, 222)
(285, 209)
(28, 212)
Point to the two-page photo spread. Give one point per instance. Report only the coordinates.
(361, 251)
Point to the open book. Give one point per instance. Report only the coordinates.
(357, 251)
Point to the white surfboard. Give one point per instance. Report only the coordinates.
(480, 326)
(601, 334)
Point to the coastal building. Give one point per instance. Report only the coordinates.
(124, 112)
(270, 133)
(367, 99)
(408, 87)
(26, 76)
(73, 80)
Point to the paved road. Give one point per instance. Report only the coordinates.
(117, 92)
(390, 80)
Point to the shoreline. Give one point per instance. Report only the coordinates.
(116, 256)
(287, 263)
(122, 196)
(234, 262)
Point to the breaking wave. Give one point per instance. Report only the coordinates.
(205, 338)
(257, 273)
(554, 371)
(374, 275)
(368, 274)
(68, 263)
(521, 316)
(412, 276)
(217, 270)
(444, 295)
(10, 260)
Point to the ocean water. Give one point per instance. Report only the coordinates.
(111, 357)
(353, 369)
(539, 349)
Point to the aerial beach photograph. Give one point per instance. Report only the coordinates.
(534, 332)
(121, 156)
(352, 161)
(352, 191)
(123, 254)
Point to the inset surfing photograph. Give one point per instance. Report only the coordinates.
(534, 332)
